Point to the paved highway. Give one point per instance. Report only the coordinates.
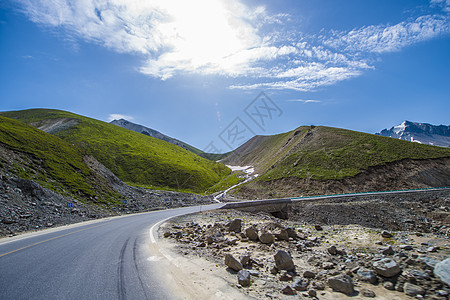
(101, 260)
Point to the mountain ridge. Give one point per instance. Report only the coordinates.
(436, 135)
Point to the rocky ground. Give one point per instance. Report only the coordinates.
(25, 205)
(310, 256)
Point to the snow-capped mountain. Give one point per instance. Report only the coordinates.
(437, 135)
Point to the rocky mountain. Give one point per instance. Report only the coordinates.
(135, 158)
(40, 173)
(437, 135)
(323, 160)
(153, 133)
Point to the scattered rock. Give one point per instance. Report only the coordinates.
(232, 263)
(413, 290)
(301, 284)
(442, 270)
(312, 293)
(386, 234)
(284, 261)
(342, 283)
(281, 234)
(318, 227)
(309, 274)
(332, 250)
(367, 275)
(388, 285)
(406, 247)
(244, 278)
(266, 237)
(287, 290)
(386, 267)
(328, 265)
(251, 233)
(388, 251)
(291, 232)
(245, 259)
(367, 293)
(235, 225)
(285, 276)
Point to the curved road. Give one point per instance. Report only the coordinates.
(102, 260)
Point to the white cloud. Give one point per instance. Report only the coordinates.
(305, 100)
(113, 117)
(382, 38)
(228, 38)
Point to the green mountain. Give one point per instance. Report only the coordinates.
(323, 153)
(29, 153)
(133, 157)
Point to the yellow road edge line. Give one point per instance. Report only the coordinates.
(47, 240)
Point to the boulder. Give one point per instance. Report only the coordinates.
(309, 274)
(342, 283)
(442, 270)
(367, 293)
(244, 278)
(412, 289)
(287, 290)
(318, 227)
(388, 251)
(386, 234)
(232, 263)
(266, 237)
(389, 285)
(281, 234)
(301, 284)
(332, 250)
(386, 267)
(284, 261)
(245, 259)
(291, 232)
(367, 275)
(251, 233)
(235, 225)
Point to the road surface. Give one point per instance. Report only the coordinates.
(102, 260)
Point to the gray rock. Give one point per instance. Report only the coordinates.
(232, 263)
(312, 293)
(442, 270)
(342, 283)
(386, 234)
(388, 285)
(287, 290)
(281, 234)
(367, 293)
(235, 225)
(251, 233)
(301, 284)
(388, 251)
(244, 278)
(332, 250)
(285, 276)
(367, 275)
(327, 265)
(406, 247)
(245, 259)
(413, 290)
(266, 237)
(291, 232)
(284, 261)
(309, 274)
(386, 267)
(318, 285)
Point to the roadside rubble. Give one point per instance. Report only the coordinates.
(270, 258)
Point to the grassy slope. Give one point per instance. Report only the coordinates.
(334, 153)
(53, 162)
(326, 153)
(133, 157)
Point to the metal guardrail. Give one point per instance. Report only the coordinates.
(251, 203)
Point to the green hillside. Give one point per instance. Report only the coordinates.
(135, 158)
(50, 161)
(325, 153)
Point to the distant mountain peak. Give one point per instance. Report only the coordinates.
(153, 133)
(424, 133)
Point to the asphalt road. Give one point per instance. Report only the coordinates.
(102, 260)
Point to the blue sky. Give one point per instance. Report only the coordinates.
(195, 70)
